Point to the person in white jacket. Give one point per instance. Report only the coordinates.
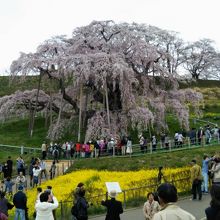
(167, 194)
(44, 208)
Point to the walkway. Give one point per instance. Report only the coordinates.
(62, 166)
(195, 207)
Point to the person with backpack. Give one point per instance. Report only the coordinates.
(79, 209)
(55, 154)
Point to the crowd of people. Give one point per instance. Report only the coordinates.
(159, 204)
(124, 146)
(36, 169)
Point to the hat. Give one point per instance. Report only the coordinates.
(20, 187)
(193, 161)
(113, 194)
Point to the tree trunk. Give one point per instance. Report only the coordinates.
(107, 105)
(46, 118)
(85, 110)
(60, 111)
(30, 118)
(80, 112)
(35, 108)
(51, 119)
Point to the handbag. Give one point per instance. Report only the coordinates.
(211, 174)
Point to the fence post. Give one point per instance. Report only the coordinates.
(203, 141)
(170, 145)
(58, 170)
(63, 167)
(188, 140)
(61, 209)
(22, 150)
(151, 148)
(124, 193)
(113, 150)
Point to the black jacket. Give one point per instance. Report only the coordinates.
(212, 213)
(20, 200)
(114, 209)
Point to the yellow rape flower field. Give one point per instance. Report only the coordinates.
(94, 180)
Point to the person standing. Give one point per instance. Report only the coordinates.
(196, 180)
(167, 194)
(43, 167)
(129, 146)
(20, 165)
(79, 187)
(205, 170)
(154, 143)
(20, 203)
(150, 207)
(82, 206)
(10, 166)
(4, 206)
(114, 207)
(213, 212)
(216, 170)
(160, 175)
(200, 134)
(20, 180)
(44, 208)
(53, 170)
(36, 173)
(5, 170)
(44, 150)
(8, 186)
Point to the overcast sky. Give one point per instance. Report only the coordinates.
(24, 24)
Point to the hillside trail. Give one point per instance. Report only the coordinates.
(61, 168)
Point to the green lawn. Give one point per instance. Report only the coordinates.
(169, 159)
(16, 133)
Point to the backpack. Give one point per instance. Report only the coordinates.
(74, 210)
(56, 153)
(77, 210)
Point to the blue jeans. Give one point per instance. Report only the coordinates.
(19, 213)
(205, 182)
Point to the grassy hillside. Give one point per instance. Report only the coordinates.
(171, 159)
(16, 133)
